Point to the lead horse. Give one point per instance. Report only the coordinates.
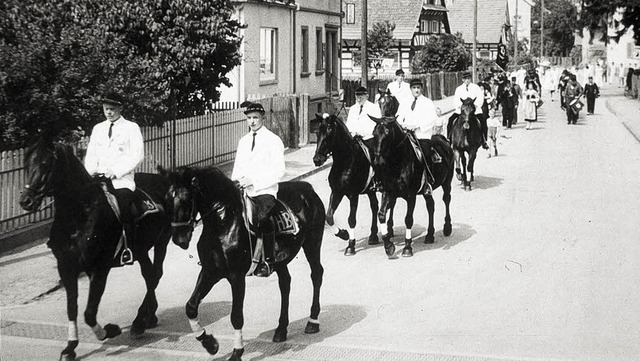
(225, 246)
(351, 175)
(401, 173)
(86, 231)
(466, 138)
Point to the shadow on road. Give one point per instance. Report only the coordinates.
(484, 182)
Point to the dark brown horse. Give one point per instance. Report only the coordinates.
(225, 244)
(86, 231)
(466, 138)
(401, 173)
(351, 175)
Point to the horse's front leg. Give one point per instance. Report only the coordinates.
(391, 207)
(373, 202)
(284, 281)
(238, 287)
(206, 280)
(446, 198)
(389, 247)
(334, 202)
(408, 222)
(69, 279)
(463, 159)
(472, 161)
(146, 317)
(456, 161)
(429, 238)
(353, 209)
(97, 284)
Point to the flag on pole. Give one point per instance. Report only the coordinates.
(502, 59)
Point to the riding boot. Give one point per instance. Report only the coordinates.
(266, 266)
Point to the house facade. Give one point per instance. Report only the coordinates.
(414, 20)
(289, 47)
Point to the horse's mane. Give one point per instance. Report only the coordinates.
(341, 124)
(211, 181)
(391, 99)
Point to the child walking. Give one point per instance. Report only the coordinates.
(492, 132)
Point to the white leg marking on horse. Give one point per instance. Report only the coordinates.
(100, 333)
(237, 341)
(73, 331)
(352, 233)
(336, 229)
(407, 233)
(383, 228)
(195, 325)
(311, 320)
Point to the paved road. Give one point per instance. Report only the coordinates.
(542, 264)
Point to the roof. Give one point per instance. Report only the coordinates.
(403, 13)
(492, 15)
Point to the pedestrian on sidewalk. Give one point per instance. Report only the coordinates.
(591, 92)
(509, 101)
(572, 95)
(530, 106)
(258, 168)
(492, 130)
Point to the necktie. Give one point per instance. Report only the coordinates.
(399, 84)
(467, 87)
(413, 105)
(360, 110)
(110, 129)
(253, 142)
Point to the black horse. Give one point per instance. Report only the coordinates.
(86, 231)
(225, 245)
(466, 138)
(401, 172)
(351, 175)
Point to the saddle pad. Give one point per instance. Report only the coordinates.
(420, 155)
(369, 183)
(145, 205)
(283, 219)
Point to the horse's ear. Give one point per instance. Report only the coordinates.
(377, 120)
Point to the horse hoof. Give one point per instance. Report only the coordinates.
(280, 335)
(312, 327)
(349, 251)
(151, 322)
(71, 356)
(429, 240)
(407, 252)
(447, 230)
(136, 330)
(209, 343)
(343, 234)
(112, 330)
(373, 240)
(236, 355)
(390, 249)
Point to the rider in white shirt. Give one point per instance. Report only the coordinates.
(358, 121)
(469, 90)
(400, 88)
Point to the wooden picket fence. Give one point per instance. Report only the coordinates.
(204, 140)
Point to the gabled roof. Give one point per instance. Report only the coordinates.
(403, 13)
(492, 15)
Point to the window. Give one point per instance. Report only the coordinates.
(305, 50)
(350, 13)
(430, 26)
(268, 43)
(319, 50)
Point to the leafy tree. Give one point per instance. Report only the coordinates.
(560, 25)
(442, 52)
(598, 15)
(58, 56)
(524, 57)
(379, 42)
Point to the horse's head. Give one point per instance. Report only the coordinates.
(385, 138)
(388, 103)
(325, 138)
(181, 201)
(39, 163)
(467, 111)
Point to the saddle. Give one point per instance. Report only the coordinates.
(369, 184)
(427, 176)
(142, 206)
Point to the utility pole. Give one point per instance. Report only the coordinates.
(363, 46)
(541, 30)
(475, 39)
(515, 36)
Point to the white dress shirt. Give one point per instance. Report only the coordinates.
(359, 123)
(423, 117)
(402, 91)
(472, 91)
(121, 153)
(263, 166)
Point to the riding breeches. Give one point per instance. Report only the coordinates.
(263, 205)
(125, 197)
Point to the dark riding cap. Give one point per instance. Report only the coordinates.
(254, 107)
(415, 81)
(399, 72)
(361, 90)
(466, 75)
(113, 98)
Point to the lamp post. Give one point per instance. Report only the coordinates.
(475, 39)
(541, 30)
(515, 36)
(363, 46)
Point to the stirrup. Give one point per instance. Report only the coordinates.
(252, 268)
(127, 256)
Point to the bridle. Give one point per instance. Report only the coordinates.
(45, 188)
(191, 223)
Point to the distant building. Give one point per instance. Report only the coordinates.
(623, 54)
(415, 21)
(523, 18)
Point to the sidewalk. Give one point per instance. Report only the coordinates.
(627, 110)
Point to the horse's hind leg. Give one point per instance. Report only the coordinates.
(206, 280)
(429, 238)
(373, 202)
(70, 282)
(311, 248)
(238, 287)
(151, 272)
(97, 283)
(284, 281)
